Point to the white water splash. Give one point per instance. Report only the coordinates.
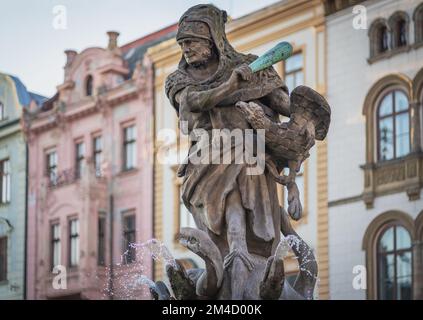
(305, 252)
(130, 281)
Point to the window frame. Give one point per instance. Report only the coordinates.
(382, 36)
(97, 152)
(79, 158)
(53, 242)
(129, 253)
(89, 85)
(377, 178)
(395, 252)
(72, 236)
(48, 153)
(127, 143)
(370, 242)
(294, 72)
(7, 176)
(376, 38)
(394, 24)
(101, 240)
(177, 210)
(181, 224)
(394, 114)
(418, 24)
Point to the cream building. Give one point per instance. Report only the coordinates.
(375, 161)
(300, 22)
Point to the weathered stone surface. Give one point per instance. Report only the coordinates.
(237, 214)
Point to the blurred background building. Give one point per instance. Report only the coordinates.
(14, 99)
(375, 160)
(90, 173)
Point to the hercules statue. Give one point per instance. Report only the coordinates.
(238, 215)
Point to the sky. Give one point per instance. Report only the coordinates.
(33, 34)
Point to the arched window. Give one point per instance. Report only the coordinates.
(393, 126)
(401, 37)
(395, 264)
(383, 38)
(389, 243)
(392, 130)
(398, 23)
(418, 108)
(418, 23)
(379, 37)
(89, 86)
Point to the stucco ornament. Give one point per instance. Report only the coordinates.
(243, 233)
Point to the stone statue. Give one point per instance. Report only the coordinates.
(238, 215)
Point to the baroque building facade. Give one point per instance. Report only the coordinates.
(14, 98)
(302, 24)
(90, 175)
(375, 87)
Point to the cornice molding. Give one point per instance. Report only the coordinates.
(49, 119)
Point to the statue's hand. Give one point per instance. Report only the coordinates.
(239, 75)
(294, 204)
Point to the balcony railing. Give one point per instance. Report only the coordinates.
(69, 176)
(62, 178)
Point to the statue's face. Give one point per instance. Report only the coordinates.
(196, 51)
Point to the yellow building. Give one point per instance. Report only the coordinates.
(300, 22)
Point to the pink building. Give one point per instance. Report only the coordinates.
(90, 173)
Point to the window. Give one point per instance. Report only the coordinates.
(394, 264)
(79, 159)
(52, 166)
(389, 241)
(390, 135)
(293, 71)
(73, 242)
(379, 37)
(399, 25)
(5, 181)
(101, 257)
(128, 237)
(129, 148)
(185, 217)
(89, 86)
(55, 245)
(97, 155)
(382, 39)
(3, 259)
(2, 116)
(181, 215)
(402, 34)
(393, 120)
(418, 23)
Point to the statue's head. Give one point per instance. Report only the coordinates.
(196, 42)
(201, 34)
